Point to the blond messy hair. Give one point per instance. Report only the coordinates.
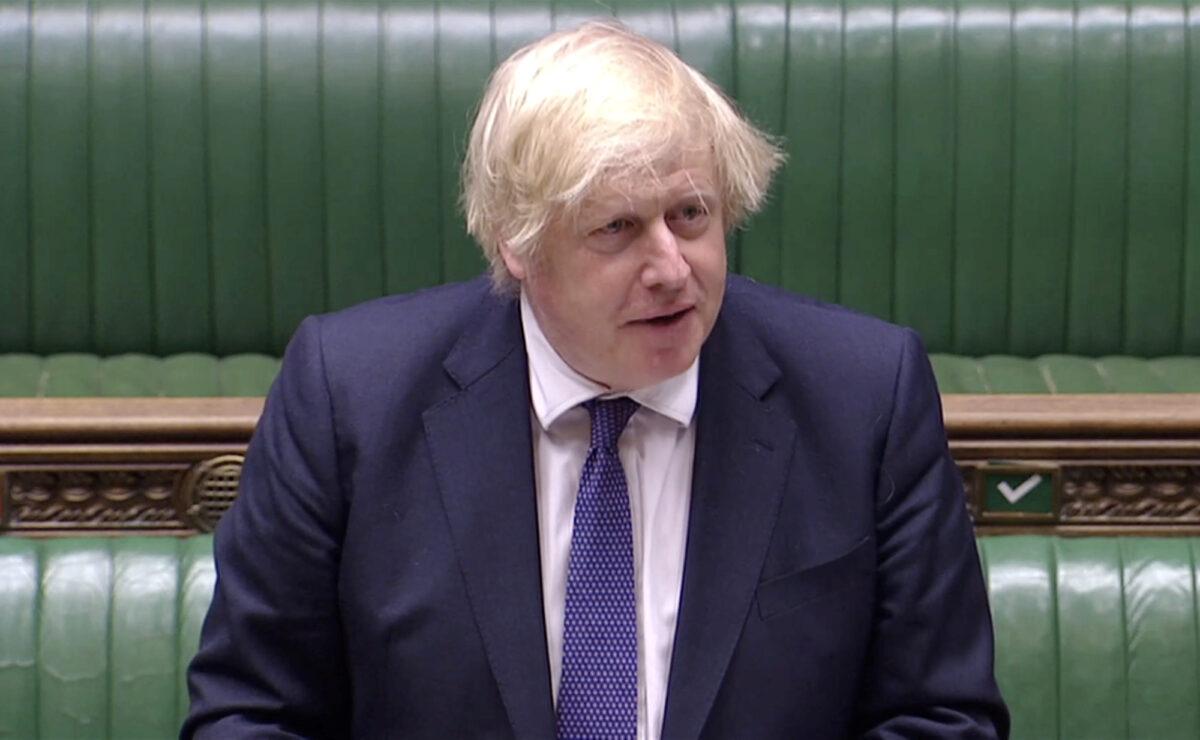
(593, 106)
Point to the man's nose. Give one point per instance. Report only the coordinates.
(665, 266)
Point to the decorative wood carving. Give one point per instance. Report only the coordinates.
(210, 488)
(81, 498)
(1138, 494)
(1117, 463)
(970, 495)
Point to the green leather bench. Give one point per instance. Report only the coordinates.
(184, 180)
(1096, 637)
(70, 375)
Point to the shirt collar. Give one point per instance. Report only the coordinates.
(555, 387)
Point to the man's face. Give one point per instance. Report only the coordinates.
(628, 291)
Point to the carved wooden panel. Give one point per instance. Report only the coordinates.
(970, 495)
(1095, 464)
(82, 498)
(210, 489)
(1131, 494)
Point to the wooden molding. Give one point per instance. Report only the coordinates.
(1156, 415)
(156, 420)
(1105, 464)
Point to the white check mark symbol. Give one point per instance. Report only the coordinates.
(1013, 495)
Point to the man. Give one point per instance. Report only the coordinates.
(614, 493)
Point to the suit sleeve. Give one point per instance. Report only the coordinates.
(930, 669)
(270, 662)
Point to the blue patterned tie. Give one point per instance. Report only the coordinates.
(597, 697)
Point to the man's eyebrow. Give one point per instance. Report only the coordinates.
(615, 203)
(704, 190)
(594, 208)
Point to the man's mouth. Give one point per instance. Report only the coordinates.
(666, 319)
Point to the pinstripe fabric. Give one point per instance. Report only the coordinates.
(1010, 177)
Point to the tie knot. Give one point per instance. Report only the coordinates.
(609, 418)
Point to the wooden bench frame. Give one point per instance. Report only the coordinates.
(1116, 464)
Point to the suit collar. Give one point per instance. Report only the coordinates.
(743, 453)
(490, 506)
(494, 333)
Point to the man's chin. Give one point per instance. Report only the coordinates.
(658, 366)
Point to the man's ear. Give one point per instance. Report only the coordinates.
(517, 264)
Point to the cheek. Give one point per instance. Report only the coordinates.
(580, 305)
(607, 286)
(708, 263)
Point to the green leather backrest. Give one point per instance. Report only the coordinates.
(1095, 637)
(133, 375)
(96, 634)
(194, 374)
(196, 175)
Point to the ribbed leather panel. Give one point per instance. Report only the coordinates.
(1096, 638)
(197, 175)
(199, 375)
(134, 375)
(1066, 374)
(96, 634)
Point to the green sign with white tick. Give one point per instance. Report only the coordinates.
(1019, 493)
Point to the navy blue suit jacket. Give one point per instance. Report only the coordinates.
(379, 573)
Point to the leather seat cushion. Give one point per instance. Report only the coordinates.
(204, 375)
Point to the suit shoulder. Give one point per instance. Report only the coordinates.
(409, 315)
(781, 317)
(401, 338)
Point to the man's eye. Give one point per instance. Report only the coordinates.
(689, 219)
(612, 227)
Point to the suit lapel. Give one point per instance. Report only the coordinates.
(743, 452)
(480, 443)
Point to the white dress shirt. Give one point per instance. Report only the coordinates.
(656, 450)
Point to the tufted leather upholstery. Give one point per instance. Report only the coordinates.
(1066, 374)
(196, 175)
(1096, 637)
(96, 634)
(202, 375)
(135, 375)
